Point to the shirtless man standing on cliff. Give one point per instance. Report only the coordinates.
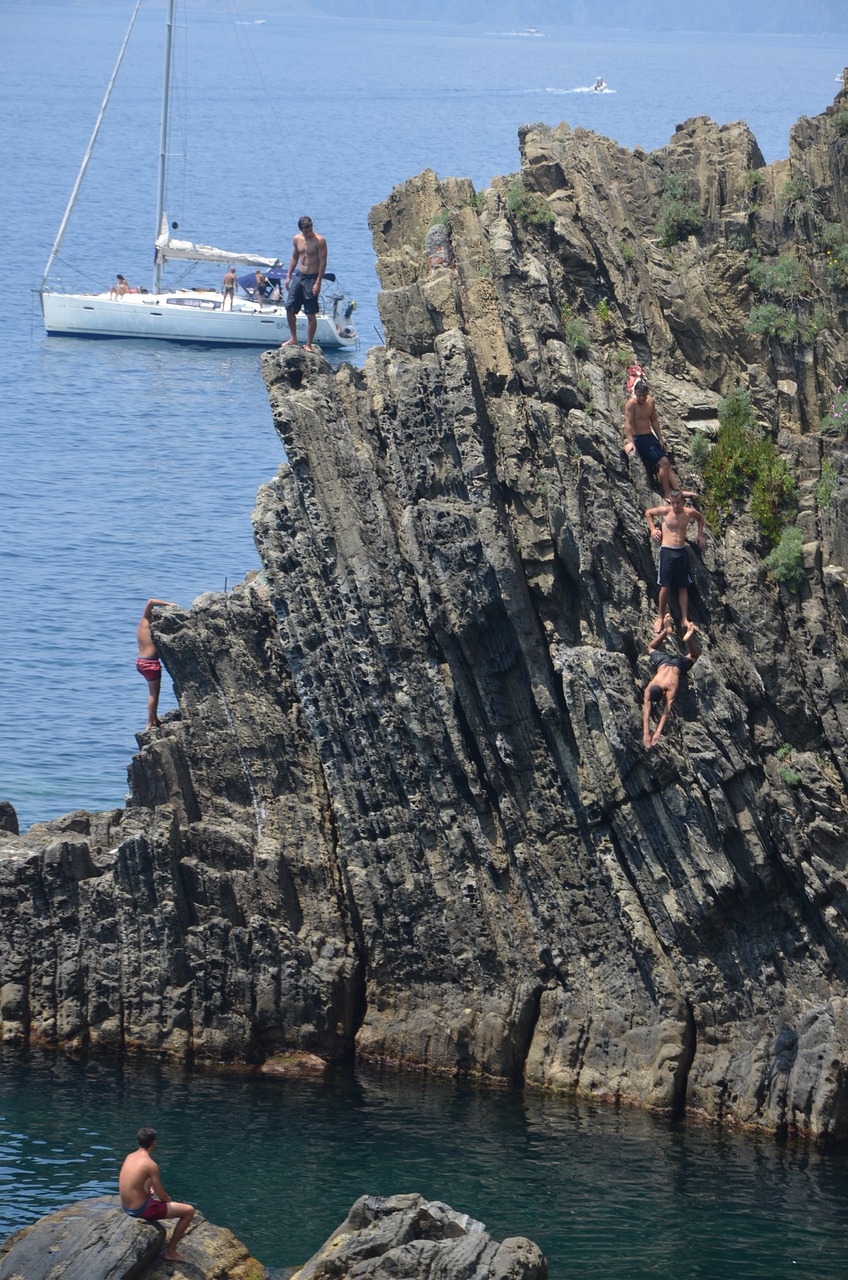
(674, 553)
(642, 428)
(144, 1197)
(303, 280)
(148, 662)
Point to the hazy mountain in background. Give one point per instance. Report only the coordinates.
(767, 16)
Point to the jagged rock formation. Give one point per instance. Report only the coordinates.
(409, 1238)
(95, 1240)
(404, 810)
(382, 1237)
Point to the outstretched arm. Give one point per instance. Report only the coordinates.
(669, 703)
(646, 718)
(153, 604)
(144, 634)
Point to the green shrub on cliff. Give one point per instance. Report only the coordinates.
(680, 216)
(826, 486)
(754, 181)
(837, 268)
(834, 241)
(745, 463)
(798, 201)
(576, 336)
(699, 450)
(782, 277)
(529, 207)
(770, 320)
(773, 492)
(839, 120)
(786, 562)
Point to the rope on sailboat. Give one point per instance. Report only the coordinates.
(54, 252)
(253, 68)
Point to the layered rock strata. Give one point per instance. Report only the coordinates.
(404, 810)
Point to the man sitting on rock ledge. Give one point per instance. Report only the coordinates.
(143, 1196)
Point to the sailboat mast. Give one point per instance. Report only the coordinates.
(163, 139)
(57, 243)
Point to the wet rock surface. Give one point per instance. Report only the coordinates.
(404, 811)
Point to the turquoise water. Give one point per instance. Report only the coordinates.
(608, 1195)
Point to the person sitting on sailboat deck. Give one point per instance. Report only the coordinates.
(303, 280)
(228, 288)
(119, 288)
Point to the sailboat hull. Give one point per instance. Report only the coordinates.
(184, 317)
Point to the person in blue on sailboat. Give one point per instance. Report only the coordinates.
(303, 280)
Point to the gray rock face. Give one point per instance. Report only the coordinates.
(410, 1238)
(404, 810)
(8, 818)
(96, 1240)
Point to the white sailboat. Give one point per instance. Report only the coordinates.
(180, 314)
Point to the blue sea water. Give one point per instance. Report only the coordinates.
(607, 1195)
(129, 470)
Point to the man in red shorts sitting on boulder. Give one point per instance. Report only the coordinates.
(144, 1197)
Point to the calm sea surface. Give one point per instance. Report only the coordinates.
(608, 1196)
(129, 470)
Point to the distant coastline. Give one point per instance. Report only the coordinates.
(679, 17)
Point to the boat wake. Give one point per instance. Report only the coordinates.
(583, 88)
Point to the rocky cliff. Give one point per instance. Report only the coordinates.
(404, 810)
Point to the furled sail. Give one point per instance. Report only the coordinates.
(185, 249)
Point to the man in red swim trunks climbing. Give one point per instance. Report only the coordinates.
(148, 662)
(144, 1197)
